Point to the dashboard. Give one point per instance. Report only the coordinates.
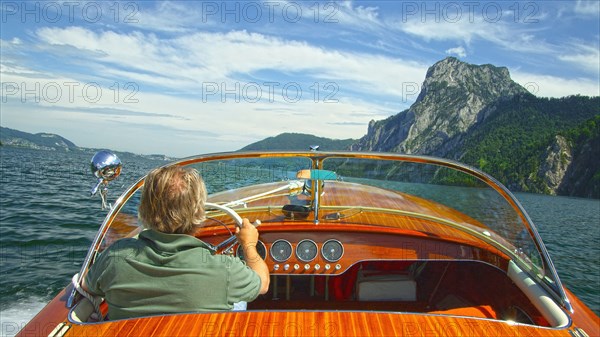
(306, 255)
(334, 252)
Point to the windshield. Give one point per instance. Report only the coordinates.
(487, 210)
(446, 186)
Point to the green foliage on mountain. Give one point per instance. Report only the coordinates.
(588, 130)
(298, 142)
(512, 142)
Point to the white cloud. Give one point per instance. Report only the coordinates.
(133, 51)
(15, 42)
(583, 56)
(201, 127)
(459, 51)
(360, 17)
(553, 86)
(587, 7)
(170, 124)
(182, 65)
(170, 16)
(6, 68)
(190, 61)
(469, 31)
(442, 31)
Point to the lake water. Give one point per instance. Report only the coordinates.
(48, 219)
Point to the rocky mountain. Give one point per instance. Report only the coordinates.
(476, 114)
(454, 97)
(299, 142)
(39, 141)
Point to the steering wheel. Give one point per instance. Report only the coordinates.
(233, 214)
(229, 242)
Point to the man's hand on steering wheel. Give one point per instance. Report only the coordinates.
(247, 235)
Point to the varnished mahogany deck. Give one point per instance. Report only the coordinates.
(301, 323)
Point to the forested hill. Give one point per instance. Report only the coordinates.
(543, 145)
(39, 141)
(53, 142)
(298, 142)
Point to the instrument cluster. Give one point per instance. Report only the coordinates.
(306, 253)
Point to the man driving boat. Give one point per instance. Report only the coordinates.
(168, 270)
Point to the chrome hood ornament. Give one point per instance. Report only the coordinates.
(106, 166)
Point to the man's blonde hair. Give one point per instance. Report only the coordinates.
(173, 200)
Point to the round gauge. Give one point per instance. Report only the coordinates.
(306, 250)
(281, 250)
(260, 248)
(332, 250)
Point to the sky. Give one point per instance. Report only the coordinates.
(187, 77)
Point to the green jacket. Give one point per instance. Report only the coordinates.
(162, 273)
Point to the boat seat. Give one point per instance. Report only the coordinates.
(343, 287)
(385, 286)
(458, 306)
(83, 311)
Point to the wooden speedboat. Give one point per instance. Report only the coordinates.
(358, 244)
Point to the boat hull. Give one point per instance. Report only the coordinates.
(299, 323)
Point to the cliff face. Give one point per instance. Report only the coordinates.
(556, 161)
(455, 95)
(582, 177)
(572, 169)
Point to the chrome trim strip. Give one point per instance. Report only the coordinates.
(93, 250)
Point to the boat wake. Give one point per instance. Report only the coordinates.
(12, 319)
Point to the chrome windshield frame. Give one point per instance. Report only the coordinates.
(317, 159)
